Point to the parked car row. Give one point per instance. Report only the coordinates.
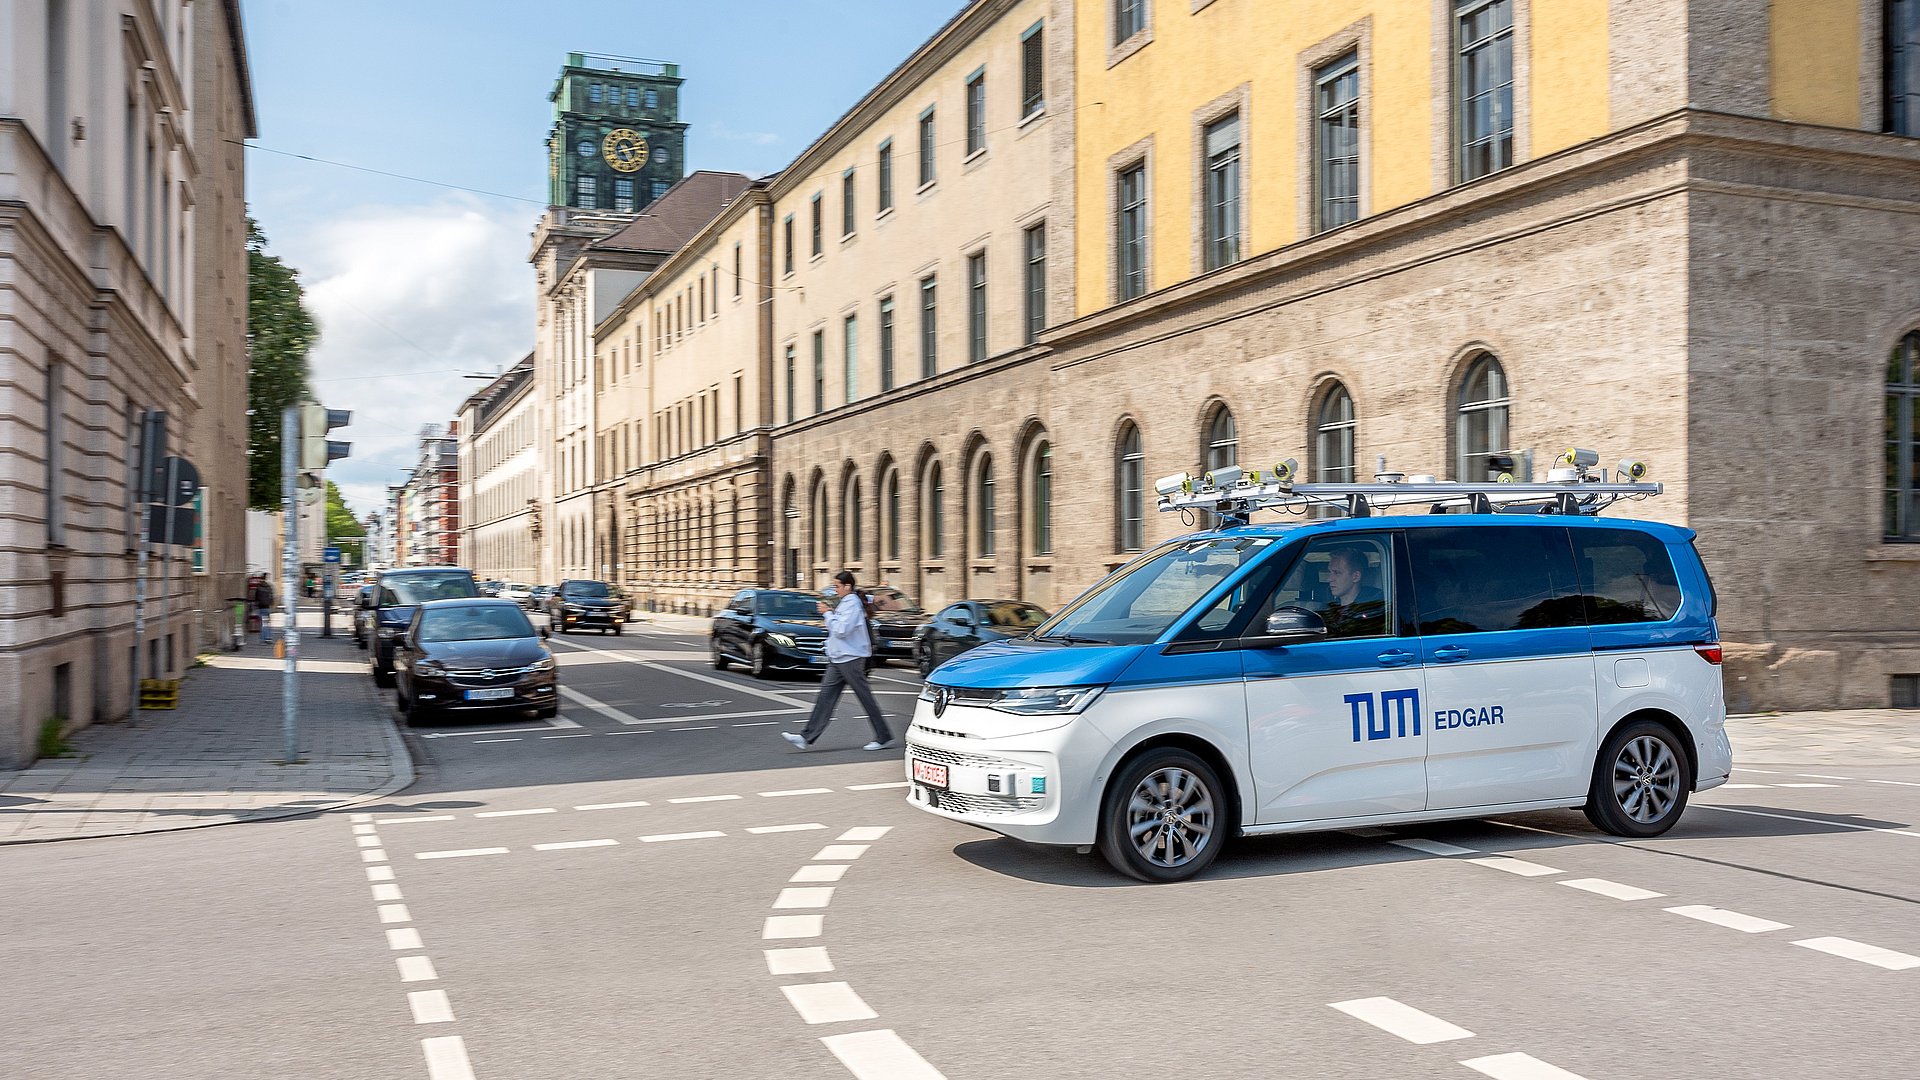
(769, 630)
(445, 648)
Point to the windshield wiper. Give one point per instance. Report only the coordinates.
(1073, 639)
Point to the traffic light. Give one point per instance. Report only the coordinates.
(316, 450)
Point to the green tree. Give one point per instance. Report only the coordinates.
(280, 334)
(344, 531)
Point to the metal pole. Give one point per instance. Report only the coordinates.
(289, 558)
(166, 564)
(139, 579)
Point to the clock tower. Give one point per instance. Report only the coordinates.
(617, 142)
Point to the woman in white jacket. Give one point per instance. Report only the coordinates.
(849, 645)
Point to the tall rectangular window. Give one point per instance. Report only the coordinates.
(653, 99)
(846, 203)
(1220, 244)
(1035, 240)
(1129, 18)
(976, 113)
(584, 193)
(623, 196)
(816, 224)
(1902, 21)
(1483, 85)
(926, 148)
(56, 462)
(886, 343)
(884, 196)
(736, 269)
(792, 407)
(1130, 232)
(786, 230)
(929, 328)
(819, 371)
(1033, 70)
(1336, 143)
(852, 357)
(977, 307)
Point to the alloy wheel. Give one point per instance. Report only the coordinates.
(1170, 817)
(1646, 779)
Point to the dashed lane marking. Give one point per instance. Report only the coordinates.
(374, 855)
(876, 787)
(613, 805)
(411, 820)
(880, 1055)
(387, 892)
(1402, 1021)
(705, 798)
(811, 960)
(1518, 1067)
(597, 705)
(664, 837)
(828, 1003)
(379, 873)
(1732, 920)
(571, 844)
(1614, 889)
(795, 791)
(1806, 785)
(804, 897)
(840, 853)
(1810, 820)
(366, 841)
(447, 1058)
(1432, 847)
(583, 735)
(366, 829)
(866, 832)
(1866, 954)
(801, 827)
(792, 926)
(483, 742)
(430, 1006)
(460, 854)
(394, 913)
(416, 969)
(516, 813)
(822, 872)
(709, 727)
(401, 940)
(1742, 787)
(1515, 866)
(1819, 776)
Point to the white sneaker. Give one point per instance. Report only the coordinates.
(794, 739)
(888, 745)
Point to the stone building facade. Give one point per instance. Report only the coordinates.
(122, 289)
(500, 478)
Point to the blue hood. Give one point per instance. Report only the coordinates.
(1021, 662)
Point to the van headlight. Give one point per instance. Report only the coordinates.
(1029, 701)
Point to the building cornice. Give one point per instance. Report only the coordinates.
(755, 195)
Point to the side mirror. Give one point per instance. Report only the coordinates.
(962, 618)
(1288, 625)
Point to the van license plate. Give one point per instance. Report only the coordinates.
(934, 776)
(494, 694)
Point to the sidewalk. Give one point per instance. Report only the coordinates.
(217, 758)
(1854, 737)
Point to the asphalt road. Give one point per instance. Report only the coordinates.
(656, 885)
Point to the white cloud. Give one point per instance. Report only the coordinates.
(408, 300)
(718, 129)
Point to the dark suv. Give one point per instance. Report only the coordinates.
(768, 629)
(394, 601)
(579, 604)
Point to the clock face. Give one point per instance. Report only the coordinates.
(625, 149)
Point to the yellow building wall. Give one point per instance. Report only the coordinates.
(1816, 61)
(1570, 72)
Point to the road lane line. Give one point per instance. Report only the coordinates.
(792, 926)
(1432, 847)
(587, 735)
(1614, 889)
(613, 805)
(876, 787)
(462, 853)
(416, 969)
(373, 855)
(822, 872)
(1743, 787)
(802, 827)
(1515, 866)
(366, 841)
(840, 852)
(387, 892)
(814, 897)
(880, 1055)
(517, 813)
(759, 723)
(483, 742)
(596, 705)
(827, 1003)
(379, 873)
(696, 676)
(410, 820)
(447, 1058)
(364, 830)
(705, 798)
(1811, 820)
(1518, 1067)
(1403, 1021)
(408, 938)
(663, 837)
(1732, 920)
(804, 961)
(795, 791)
(359, 819)
(1900, 783)
(1820, 776)
(1866, 954)
(430, 1006)
(866, 832)
(391, 913)
(1806, 785)
(707, 727)
(569, 845)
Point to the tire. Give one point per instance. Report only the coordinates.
(383, 679)
(761, 668)
(1176, 804)
(620, 631)
(415, 715)
(923, 659)
(548, 712)
(719, 658)
(1640, 781)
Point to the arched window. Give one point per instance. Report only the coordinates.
(789, 523)
(1129, 487)
(983, 508)
(818, 538)
(1903, 440)
(1223, 440)
(890, 520)
(1480, 418)
(933, 515)
(854, 541)
(1333, 427)
(1043, 500)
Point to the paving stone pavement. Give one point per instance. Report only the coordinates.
(1832, 737)
(217, 759)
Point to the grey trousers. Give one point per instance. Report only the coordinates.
(838, 676)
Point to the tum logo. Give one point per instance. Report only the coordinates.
(1390, 719)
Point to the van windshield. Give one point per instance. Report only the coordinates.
(1140, 601)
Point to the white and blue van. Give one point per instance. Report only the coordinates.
(1338, 673)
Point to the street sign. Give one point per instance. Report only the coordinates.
(330, 555)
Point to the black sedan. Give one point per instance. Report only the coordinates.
(363, 615)
(477, 655)
(770, 629)
(969, 624)
(579, 604)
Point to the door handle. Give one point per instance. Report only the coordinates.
(1448, 654)
(1395, 658)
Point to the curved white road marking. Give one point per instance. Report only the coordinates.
(1403, 1021)
(880, 1055)
(1432, 847)
(807, 960)
(1603, 887)
(827, 1003)
(1866, 954)
(1515, 866)
(447, 1058)
(792, 926)
(1518, 1067)
(818, 896)
(1732, 920)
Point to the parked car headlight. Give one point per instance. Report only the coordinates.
(429, 667)
(571, 609)
(541, 665)
(781, 640)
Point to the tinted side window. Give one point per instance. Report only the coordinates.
(1625, 576)
(1493, 577)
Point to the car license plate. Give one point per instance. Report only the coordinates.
(816, 659)
(494, 694)
(934, 776)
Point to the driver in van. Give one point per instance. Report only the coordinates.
(1354, 609)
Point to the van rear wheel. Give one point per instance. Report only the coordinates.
(1640, 781)
(1164, 818)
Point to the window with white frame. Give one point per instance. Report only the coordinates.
(1336, 143)
(1130, 231)
(1223, 440)
(976, 113)
(1129, 490)
(1333, 437)
(1483, 86)
(1480, 418)
(1221, 193)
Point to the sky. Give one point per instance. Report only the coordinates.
(416, 285)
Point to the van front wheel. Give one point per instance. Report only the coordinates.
(1164, 818)
(1640, 781)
